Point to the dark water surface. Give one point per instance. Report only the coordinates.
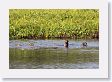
(51, 54)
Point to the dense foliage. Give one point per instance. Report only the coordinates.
(53, 23)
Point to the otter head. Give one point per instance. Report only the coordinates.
(66, 43)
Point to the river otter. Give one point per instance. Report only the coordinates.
(66, 43)
(84, 44)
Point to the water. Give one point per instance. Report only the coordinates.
(51, 54)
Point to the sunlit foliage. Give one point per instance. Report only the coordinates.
(53, 23)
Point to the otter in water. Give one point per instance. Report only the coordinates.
(66, 43)
(84, 44)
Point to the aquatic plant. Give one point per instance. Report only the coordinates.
(53, 23)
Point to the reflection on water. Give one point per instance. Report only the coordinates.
(51, 54)
(34, 44)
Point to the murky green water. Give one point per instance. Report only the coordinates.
(51, 54)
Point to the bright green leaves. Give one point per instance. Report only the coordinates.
(53, 23)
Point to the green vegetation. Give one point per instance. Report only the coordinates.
(54, 23)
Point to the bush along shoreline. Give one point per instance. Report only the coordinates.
(53, 23)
